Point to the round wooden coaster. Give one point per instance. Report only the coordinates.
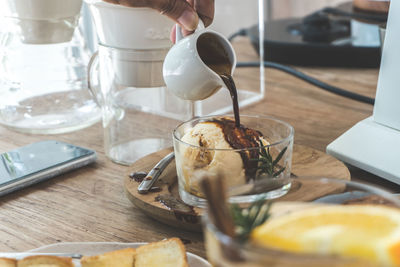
(305, 162)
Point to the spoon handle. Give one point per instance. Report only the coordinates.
(155, 173)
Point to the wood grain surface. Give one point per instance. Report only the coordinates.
(305, 162)
(90, 204)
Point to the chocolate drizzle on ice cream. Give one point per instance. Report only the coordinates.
(241, 137)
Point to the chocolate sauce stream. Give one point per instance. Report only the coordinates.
(230, 84)
(215, 56)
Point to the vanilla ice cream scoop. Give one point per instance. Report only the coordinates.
(217, 147)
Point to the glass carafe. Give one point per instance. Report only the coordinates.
(139, 112)
(43, 74)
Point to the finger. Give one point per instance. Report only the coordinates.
(172, 34)
(186, 32)
(205, 10)
(178, 10)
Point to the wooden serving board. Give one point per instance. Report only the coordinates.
(305, 162)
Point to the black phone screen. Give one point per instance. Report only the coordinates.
(37, 157)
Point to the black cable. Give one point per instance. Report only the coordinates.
(241, 32)
(309, 79)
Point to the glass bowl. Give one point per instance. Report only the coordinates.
(323, 243)
(209, 146)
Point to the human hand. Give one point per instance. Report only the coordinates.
(184, 12)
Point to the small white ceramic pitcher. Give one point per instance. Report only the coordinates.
(186, 74)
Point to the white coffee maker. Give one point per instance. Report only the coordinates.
(373, 143)
(43, 59)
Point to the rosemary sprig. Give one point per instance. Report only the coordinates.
(268, 165)
(246, 219)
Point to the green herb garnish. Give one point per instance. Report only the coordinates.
(268, 165)
(246, 219)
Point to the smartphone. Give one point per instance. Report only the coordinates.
(39, 161)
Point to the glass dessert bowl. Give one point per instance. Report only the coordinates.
(339, 223)
(260, 148)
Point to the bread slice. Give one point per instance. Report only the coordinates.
(166, 253)
(118, 258)
(45, 261)
(6, 262)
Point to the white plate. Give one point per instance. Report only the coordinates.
(93, 248)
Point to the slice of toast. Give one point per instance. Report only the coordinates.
(118, 258)
(6, 262)
(166, 253)
(45, 261)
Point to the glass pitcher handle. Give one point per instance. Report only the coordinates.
(91, 69)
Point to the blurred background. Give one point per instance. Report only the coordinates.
(247, 11)
(296, 8)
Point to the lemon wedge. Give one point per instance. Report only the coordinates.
(366, 232)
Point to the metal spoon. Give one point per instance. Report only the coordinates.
(155, 173)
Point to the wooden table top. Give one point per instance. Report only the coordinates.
(89, 204)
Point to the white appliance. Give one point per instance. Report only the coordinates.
(374, 143)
